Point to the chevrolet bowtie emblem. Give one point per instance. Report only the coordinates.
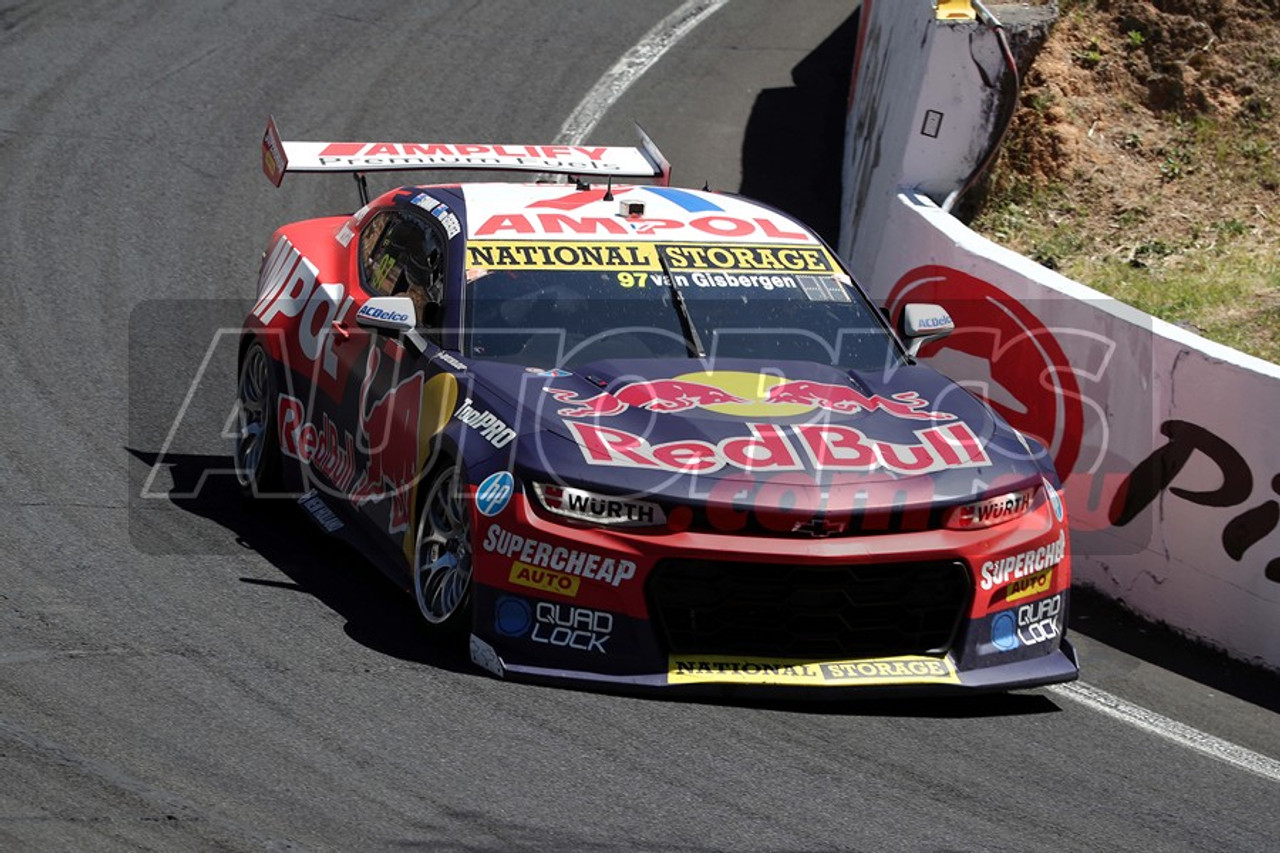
(818, 527)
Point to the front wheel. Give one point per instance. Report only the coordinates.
(442, 554)
(257, 452)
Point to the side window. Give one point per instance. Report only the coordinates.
(402, 255)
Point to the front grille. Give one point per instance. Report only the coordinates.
(824, 613)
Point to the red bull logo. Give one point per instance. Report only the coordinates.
(847, 400)
(656, 395)
(744, 395)
(389, 434)
(772, 448)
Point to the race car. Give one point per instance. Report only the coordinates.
(610, 432)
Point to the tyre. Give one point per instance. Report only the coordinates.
(442, 555)
(257, 450)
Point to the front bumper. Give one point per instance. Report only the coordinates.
(556, 602)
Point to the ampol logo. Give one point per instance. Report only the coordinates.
(1029, 380)
(742, 395)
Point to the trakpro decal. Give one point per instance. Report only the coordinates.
(490, 427)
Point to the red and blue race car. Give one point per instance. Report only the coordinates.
(638, 436)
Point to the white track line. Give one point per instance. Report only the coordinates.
(633, 64)
(1179, 733)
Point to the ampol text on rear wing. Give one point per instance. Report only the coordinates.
(279, 157)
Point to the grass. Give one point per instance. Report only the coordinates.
(1221, 280)
(1197, 245)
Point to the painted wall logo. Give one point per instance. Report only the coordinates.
(1156, 475)
(1037, 388)
(742, 395)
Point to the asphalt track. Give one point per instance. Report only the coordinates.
(181, 672)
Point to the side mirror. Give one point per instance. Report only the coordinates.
(395, 313)
(922, 323)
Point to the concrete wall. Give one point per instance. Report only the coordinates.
(1164, 439)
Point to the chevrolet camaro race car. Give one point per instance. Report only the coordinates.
(635, 436)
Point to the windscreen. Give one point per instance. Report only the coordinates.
(565, 305)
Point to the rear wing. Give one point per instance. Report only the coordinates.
(279, 157)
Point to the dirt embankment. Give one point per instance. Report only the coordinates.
(1147, 141)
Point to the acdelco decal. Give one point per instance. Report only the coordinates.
(557, 558)
(768, 448)
(997, 572)
(289, 287)
(905, 669)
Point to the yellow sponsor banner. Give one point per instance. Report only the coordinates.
(643, 256)
(560, 255)
(544, 580)
(749, 258)
(1037, 584)
(725, 669)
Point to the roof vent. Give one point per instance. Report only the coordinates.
(631, 209)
